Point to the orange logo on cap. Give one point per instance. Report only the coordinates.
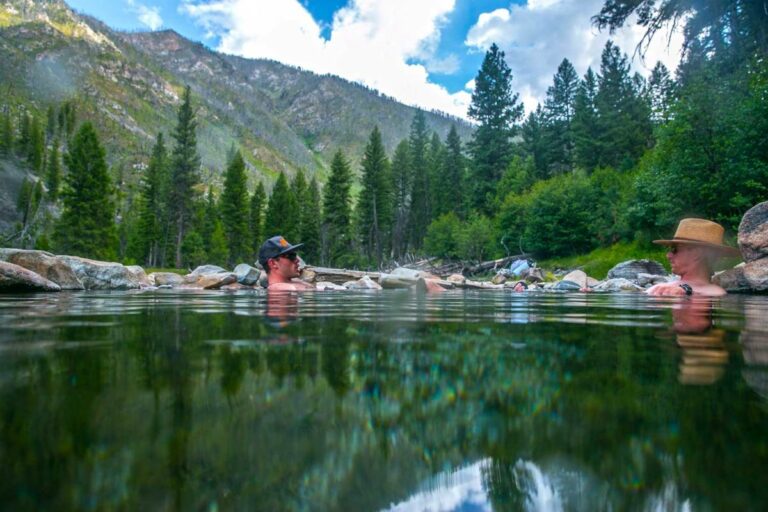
(283, 242)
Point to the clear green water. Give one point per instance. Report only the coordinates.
(384, 400)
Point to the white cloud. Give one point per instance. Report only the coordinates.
(371, 41)
(148, 15)
(538, 35)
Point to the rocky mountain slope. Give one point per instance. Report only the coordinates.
(283, 118)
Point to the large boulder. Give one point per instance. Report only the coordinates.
(15, 278)
(364, 283)
(207, 269)
(247, 274)
(140, 275)
(631, 268)
(102, 275)
(577, 276)
(44, 264)
(215, 281)
(753, 233)
(749, 277)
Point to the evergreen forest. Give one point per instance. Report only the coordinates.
(609, 157)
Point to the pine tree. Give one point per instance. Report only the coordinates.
(623, 124)
(50, 127)
(214, 233)
(153, 225)
(6, 135)
(53, 172)
(87, 224)
(535, 142)
(235, 210)
(660, 93)
(435, 165)
(451, 193)
(24, 143)
(374, 209)
(585, 123)
(256, 218)
(402, 179)
(185, 163)
(337, 209)
(36, 153)
(418, 144)
(496, 109)
(310, 223)
(557, 117)
(282, 212)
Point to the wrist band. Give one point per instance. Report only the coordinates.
(687, 288)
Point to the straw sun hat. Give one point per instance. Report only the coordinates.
(702, 233)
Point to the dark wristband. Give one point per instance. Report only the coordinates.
(687, 288)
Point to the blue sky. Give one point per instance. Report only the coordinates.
(422, 52)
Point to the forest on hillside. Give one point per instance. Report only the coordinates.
(608, 157)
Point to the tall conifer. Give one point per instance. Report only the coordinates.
(418, 144)
(310, 223)
(496, 109)
(6, 135)
(153, 223)
(235, 210)
(585, 123)
(374, 209)
(185, 163)
(451, 188)
(337, 214)
(282, 212)
(256, 218)
(53, 172)
(87, 225)
(402, 179)
(558, 116)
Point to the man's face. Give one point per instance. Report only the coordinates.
(684, 258)
(285, 265)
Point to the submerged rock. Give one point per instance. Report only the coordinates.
(749, 277)
(753, 233)
(102, 275)
(15, 278)
(567, 286)
(247, 274)
(44, 264)
(631, 268)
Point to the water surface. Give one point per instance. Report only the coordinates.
(171, 400)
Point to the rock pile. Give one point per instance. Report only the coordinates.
(752, 275)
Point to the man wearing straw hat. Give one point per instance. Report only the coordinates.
(697, 244)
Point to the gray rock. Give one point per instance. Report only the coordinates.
(567, 286)
(215, 281)
(651, 279)
(751, 277)
(140, 275)
(533, 275)
(456, 279)
(166, 279)
(207, 269)
(45, 264)
(499, 278)
(753, 233)
(577, 276)
(618, 284)
(102, 275)
(327, 285)
(246, 274)
(631, 268)
(364, 283)
(15, 278)
(409, 273)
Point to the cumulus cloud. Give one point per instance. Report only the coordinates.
(147, 15)
(370, 41)
(537, 36)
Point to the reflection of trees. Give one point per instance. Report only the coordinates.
(211, 409)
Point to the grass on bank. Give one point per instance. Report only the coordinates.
(598, 262)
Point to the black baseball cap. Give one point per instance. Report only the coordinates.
(274, 247)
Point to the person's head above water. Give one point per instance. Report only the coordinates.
(278, 255)
(693, 250)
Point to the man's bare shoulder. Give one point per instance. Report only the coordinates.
(292, 286)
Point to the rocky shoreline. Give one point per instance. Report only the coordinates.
(30, 270)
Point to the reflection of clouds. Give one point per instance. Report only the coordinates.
(754, 342)
(452, 490)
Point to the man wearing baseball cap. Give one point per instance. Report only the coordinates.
(697, 244)
(281, 263)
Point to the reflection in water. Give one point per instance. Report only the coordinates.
(703, 349)
(360, 401)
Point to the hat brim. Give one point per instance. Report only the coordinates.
(722, 250)
(288, 249)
